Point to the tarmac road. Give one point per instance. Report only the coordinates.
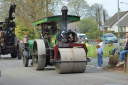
(13, 73)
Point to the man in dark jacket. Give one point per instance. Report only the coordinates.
(44, 31)
(122, 53)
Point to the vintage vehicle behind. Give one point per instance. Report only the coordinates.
(8, 39)
(57, 47)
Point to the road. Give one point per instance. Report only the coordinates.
(13, 73)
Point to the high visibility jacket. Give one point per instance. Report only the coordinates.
(86, 45)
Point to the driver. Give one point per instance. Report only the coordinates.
(44, 30)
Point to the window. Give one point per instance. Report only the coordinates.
(110, 35)
(124, 29)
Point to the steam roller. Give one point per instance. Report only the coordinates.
(57, 46)
(72, 60)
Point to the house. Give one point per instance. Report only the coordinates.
(112, 23)
(124, 24)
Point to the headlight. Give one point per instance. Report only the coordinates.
(86, 38)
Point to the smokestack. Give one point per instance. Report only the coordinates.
(64, 17)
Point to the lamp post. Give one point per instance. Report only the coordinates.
(118, 29)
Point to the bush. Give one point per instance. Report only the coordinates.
(113, 60)
(88, 35)
(109, 44)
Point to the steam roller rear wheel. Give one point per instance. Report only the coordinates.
(71, 54)
(39, 59)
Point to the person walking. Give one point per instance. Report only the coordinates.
(99, 56)
(123, 52)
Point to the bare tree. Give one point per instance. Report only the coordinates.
(78, 7)
(95, 11)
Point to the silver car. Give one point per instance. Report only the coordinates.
(123, 40)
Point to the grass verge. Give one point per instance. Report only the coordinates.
(92, 51)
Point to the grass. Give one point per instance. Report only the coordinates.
(92, 51)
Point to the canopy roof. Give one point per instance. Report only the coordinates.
(71, 18)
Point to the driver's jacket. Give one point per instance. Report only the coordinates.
(44, 31)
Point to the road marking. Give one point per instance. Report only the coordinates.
(93, 67)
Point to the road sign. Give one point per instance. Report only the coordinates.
(102, 17)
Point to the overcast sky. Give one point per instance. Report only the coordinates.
(111, 5)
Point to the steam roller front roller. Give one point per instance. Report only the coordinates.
(72, 60)
(39, 58)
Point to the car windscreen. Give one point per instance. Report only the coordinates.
(110, 35)
(83, 36)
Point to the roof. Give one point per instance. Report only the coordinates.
(124, 22)
(58, 18)
(114, 19)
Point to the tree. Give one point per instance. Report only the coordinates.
(78, 7)
(95, 11)
(28, 11)
(87, 25)
(4, 9)
(21, 30)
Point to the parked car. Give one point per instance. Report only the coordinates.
(83, 36)
(109, 38)
(123, 40)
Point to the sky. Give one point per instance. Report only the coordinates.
(111, 5)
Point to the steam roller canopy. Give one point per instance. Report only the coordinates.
(71, 54)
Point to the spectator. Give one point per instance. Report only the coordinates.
(80, 39)
(99, 41)
(21, 41)
(99, 56)
(84, 42)
(123, 52)
(25, 40)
